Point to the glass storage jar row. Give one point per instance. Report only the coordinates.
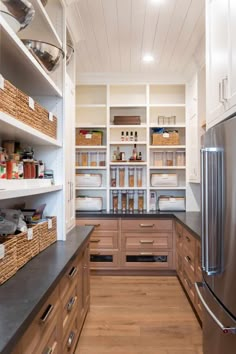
(168, 158)
(86, 159)
(125, 201)
(120, 173)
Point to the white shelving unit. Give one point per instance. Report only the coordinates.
(19, 66)
(98, 104)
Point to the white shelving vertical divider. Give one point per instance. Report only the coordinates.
(108, 148)
(147, 146)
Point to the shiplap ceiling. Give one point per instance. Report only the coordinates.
(113, 35)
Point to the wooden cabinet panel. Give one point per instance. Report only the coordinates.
(52, 343)
(147, 260)
(104, 240)
(188, 283)
(103, 259)
(99, 224)
(135, 240)
(72, 335)
(69, 278)
(188, 244)
(179, 265)
(70, 306)
(147, 225)
(179, 237)
(198, 262)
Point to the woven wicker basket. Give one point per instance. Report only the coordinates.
(24, 113)
(160, 139)
(8, 264)
(8, 97)
(96, 139)
(34, 242)
(48, 236)
(48, 127)
(23, 250)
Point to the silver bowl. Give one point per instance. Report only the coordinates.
(48, 55)
(44, 2)
(69, 52)
(21, 11)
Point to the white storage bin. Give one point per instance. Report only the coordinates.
(88, 180)
(164, 180)
(88, 203)
(167, 203)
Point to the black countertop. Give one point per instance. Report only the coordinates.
(22, 296)
(191, 220)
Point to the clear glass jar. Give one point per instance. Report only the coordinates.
(140, 201)
(113, 176)
(115, 200)
(160, 120)
(84, 159)
(169, 158)
(131, 176)
(93, 158)
(158, 158)
(124, 201)
(180, 158)
(131, 201)
(121, 176)
(139, 174)
(102, 159)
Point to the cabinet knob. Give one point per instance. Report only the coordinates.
(70, 340)
(71, 303)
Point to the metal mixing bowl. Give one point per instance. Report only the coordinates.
(21, 10)
(48, 55)
(44, 2)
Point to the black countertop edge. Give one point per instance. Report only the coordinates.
(22, 296)
(191, 220)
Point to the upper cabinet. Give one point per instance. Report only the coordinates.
(220, 60)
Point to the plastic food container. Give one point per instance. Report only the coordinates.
(88, 203)
(164, 180)
(88, 180)
(168, 203)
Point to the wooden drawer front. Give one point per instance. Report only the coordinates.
(103, 259)
(147, 225)
(99, 224)
(147, 260)
(198, 306)
(104, 240)
(71, 336)
(188, 283)
(70, 278)
(179, 265)
(179, 237)
(70, 307)
(189, 264)
(188, 244)
(42, 324)
(198, 269)
(51, 344)
(136, 240)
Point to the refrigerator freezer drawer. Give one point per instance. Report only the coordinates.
(88, 180)
(88, 204)
(164, 180)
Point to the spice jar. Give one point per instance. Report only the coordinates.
(102, 159)
(121, 176)
(113, 177)
(139, 174)
(115, 200)
(180, 158)
(131, 176)
(131, 201)
(123, 201)
(140, 201)
(93, 158)
(169, 158)
(27, 169)
(84, 159)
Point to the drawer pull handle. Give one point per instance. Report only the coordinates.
(70, 340)
(71, 303)
(72, 272)
(187, 238)
(95, 241)
(95, 225)
(146, 253)
(146, 241)
(48, 351)
(146, 225)
(47, 313)
(188, 259)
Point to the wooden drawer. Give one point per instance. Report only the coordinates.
(70, 306)
(104, 240)
(147, 225)
(189, 264)
(147, 260)
(103, 259)
(198, 257)
(135, 240)
(70, 277)
(42, 324)
(71, 337)
(52, 342)
(179, 265)
(188, 244)
(188, 283)
(198, 306)
(179, 237)
(99, 224)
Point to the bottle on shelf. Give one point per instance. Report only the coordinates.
(127, 136)
(136, 136)
(134, 156)
(113, 177)
(122, 136)
(131, 137)
(153, 201)
(115, 200)
(139, 156)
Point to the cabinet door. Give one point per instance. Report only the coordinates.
(232, 54)
(217, 57)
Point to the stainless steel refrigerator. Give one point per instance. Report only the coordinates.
(217, 292)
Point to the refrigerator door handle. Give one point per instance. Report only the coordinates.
(225, 329)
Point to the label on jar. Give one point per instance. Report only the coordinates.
(50, 116)
(30, 234)
(49, 224)
(1, 82)
(31, 103)
(2, 251)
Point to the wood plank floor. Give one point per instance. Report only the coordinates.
(139, 315)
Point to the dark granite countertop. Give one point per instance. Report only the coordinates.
(191, 220)
(22, 296)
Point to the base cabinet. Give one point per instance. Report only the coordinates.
(188, 263)
(57, 326)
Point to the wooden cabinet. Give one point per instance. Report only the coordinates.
(188, 263)
(57, 326)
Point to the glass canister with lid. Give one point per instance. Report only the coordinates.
(131, 176)
(131, 201)
(180, 158)
(140, 201)
(124, 201)
(115, 200)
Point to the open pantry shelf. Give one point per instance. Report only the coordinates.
(91, 106)
(167, 146)
(174, 126)
(127, 188)
(88, 147)
(90, 168)
(128, 163)
(167, 167)
(90, 188)
(167, 188)
(127, 142)
(24, 192)
(128, 126)
(168, 105)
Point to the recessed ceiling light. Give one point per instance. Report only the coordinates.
(148, 58)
